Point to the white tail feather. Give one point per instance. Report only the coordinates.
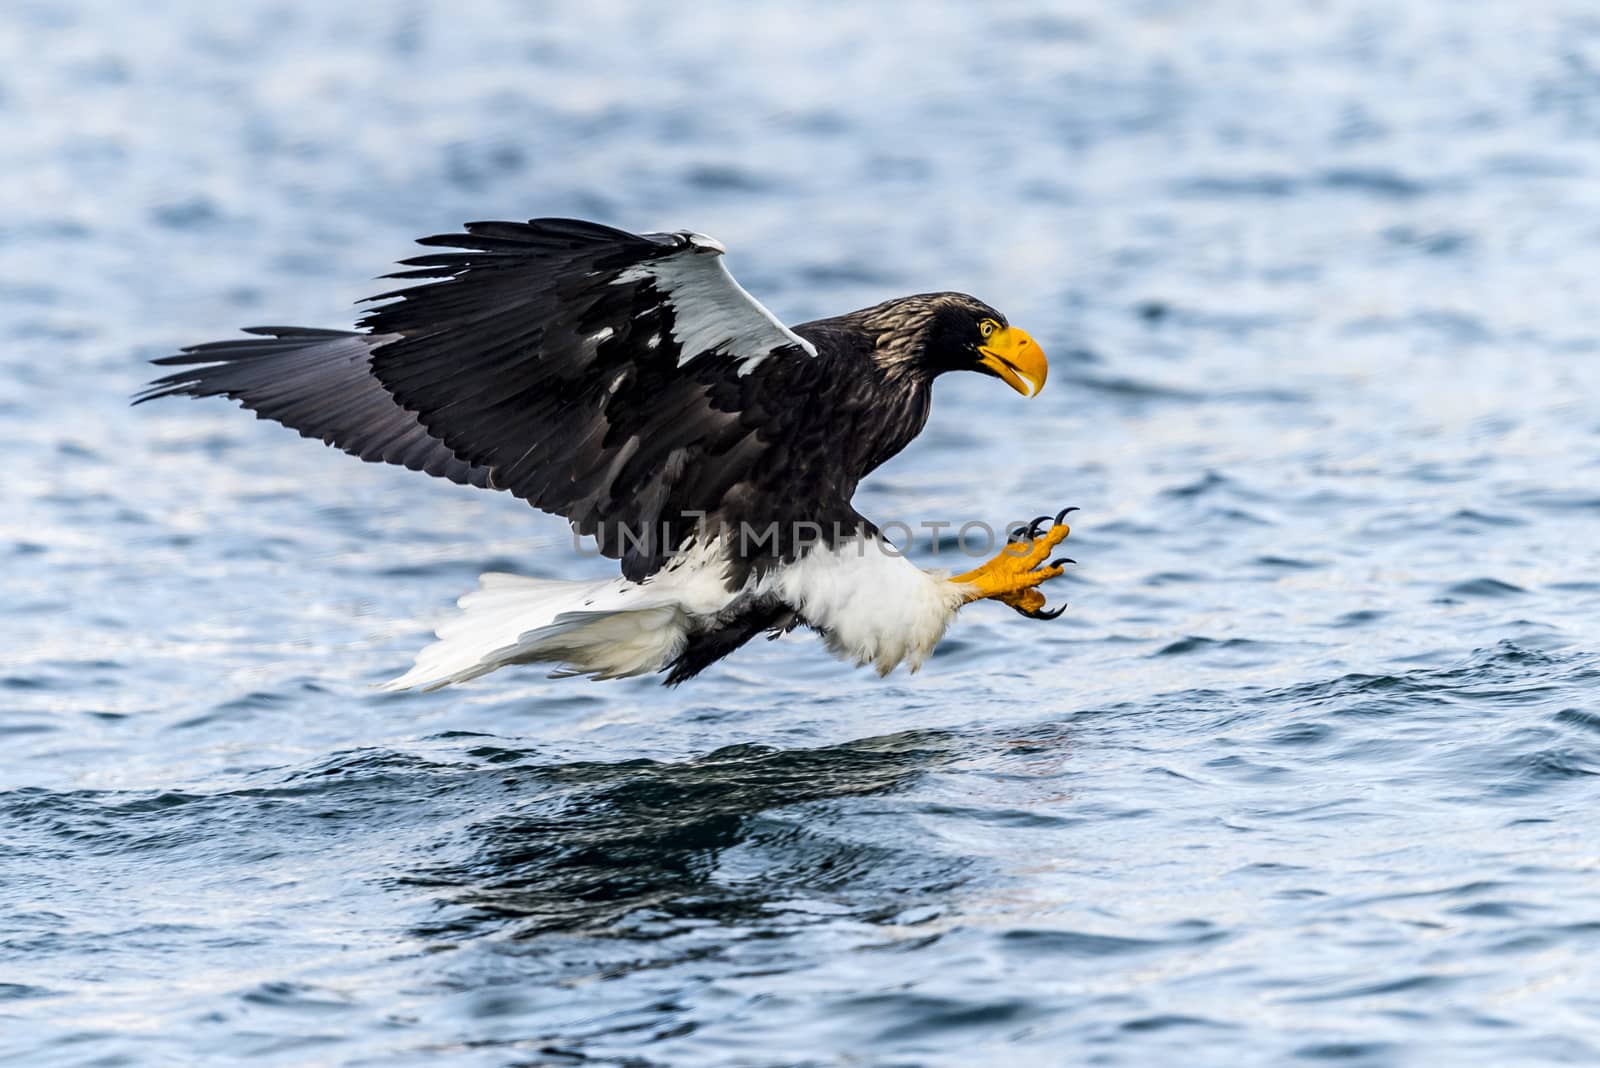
(610, 628)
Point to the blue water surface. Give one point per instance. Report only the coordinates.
(1307, 773)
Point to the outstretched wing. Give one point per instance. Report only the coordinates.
(626, 382)
(320, 383)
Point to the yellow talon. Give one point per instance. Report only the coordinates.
(1012, 575)
(1025, 601)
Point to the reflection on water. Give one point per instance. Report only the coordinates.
(642, 847)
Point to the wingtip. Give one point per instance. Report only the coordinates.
(704, 243)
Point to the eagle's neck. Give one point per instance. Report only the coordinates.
(878, 393)
(899, 411)
(897, 333)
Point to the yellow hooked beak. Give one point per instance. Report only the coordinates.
(1016, 358)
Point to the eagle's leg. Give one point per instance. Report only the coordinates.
(1013, 576)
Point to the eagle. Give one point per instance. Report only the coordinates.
(629, 384)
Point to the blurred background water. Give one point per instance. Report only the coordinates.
(1307, 773)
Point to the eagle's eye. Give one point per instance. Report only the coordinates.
(987, 327)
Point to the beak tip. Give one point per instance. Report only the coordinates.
(1013, 357)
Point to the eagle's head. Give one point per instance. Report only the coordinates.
(931, 333)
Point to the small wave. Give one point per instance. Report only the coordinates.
(1372, 180)
(1522, 774)
(1484, 587)
(1369, 1052)
(1287, 563)
(1384, 988)
(18, 991)
(297, 997)
(1195, 643)
(1211, 187)
(1123, 386)
(1085, 944)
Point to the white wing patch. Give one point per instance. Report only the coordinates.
(710, 309)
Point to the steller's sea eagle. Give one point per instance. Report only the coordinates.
(628, 383)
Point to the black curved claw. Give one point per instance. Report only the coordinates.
(1016, 535)
(1058, 561)
(1040, 613)
(1033, 527)
(1064, 513)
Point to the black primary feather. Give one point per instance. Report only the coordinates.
(320, 383)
